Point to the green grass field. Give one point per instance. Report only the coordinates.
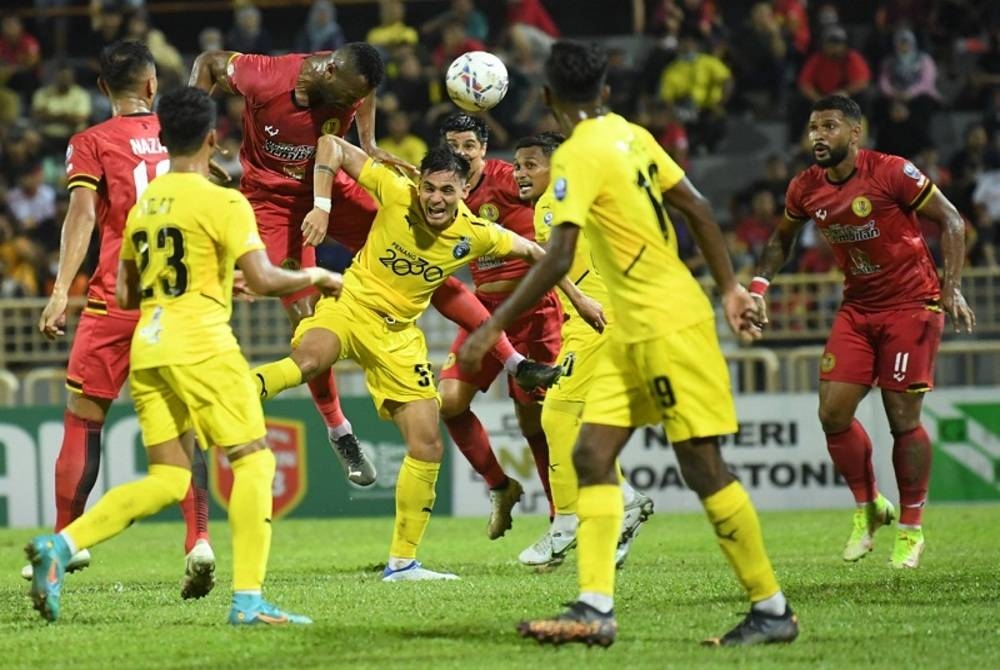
(125, 611)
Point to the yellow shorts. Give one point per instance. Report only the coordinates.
(393, 355)
(578, 358)
(680, 380)
(216, 397)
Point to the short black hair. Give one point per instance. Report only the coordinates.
(366, 60)
(124, 64)
(442, 159)
(576, 71)
(548, 142)
(840, 103)
(460, 122)
(187, 115)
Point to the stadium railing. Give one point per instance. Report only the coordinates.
(802, 308)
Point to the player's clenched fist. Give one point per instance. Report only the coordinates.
(329, 283)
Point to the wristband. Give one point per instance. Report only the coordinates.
(323, 203)
(758, 286)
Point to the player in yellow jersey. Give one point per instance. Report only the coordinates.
(581, 344)
(421, 235)
(180, 244)
(662, 363)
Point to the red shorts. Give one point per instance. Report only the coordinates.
(279, 220)
(893, 349)
(98, 361)
(535, 334)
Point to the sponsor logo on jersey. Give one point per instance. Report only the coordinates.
(559, 188)
(405, 263)
(489, 262)
(490, 212)
(289, 152)
(861, 206)
(462, 248)
(862, 264)
(271, 131)
(287, 439)
(331, 126)
(911, 171)
(837, 233)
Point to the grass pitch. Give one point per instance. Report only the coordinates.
(125, 610)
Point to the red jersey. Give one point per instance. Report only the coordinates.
(870, 221)
(279, 136)
(495, 199)
(116, 158)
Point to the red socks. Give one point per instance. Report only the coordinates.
(540, 451)
(458, 304)
(911, 460)
(76, 467)
(195, 503)
(472, 440)
(851, 452)
(324, 392)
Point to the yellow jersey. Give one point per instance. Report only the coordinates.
(583, 272)
(185, 233)
(404, 260)
(608, 178)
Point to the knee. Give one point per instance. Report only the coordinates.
(591, 463)
(702, 467)
(175, 481)
(309, 363)
(451, 404)
(426, 448)
(834, 419)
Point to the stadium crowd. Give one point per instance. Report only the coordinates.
(686, 69)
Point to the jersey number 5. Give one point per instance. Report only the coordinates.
(169, 243)
(647, 182)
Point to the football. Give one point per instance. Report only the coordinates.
(476, 81)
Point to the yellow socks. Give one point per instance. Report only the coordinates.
(250, 518)
(273, 378)
(738, 532)
(561, 423)
(119, 507)
(600, 510)
(414, 501)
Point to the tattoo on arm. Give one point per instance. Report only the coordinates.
(325, 169)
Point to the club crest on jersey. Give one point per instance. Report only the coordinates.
(828, 362)
(462, 248)
(559, 188)
(489, 211)
(861, 206)
(331, 126)
(287, 439)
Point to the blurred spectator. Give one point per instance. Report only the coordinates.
(702, 17)
(759, 61)
(411, 90)
(986, 201)
(392, 29)
(741, 255)
(20, 58)
(454, 43)
(985, 76)
(247, 34)
(928, 161)
(623, 81)
(22, 151)
(975, 156)
(321, 32)
(698, 85)
(835, 69)
(400, 141)
(669, 132)
(791, 16)
(170, 68)
(754, 230)
(60, 110)
(464, 12)
(107, 25)
(33, 205)
(775, 181)
(899, 131)
(818, 259)
(910, 76)
(531, 30)
(210, 39)
(20, 265)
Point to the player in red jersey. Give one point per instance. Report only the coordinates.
(108, 166)
(537, 333)
(291, 101)
(888, 328)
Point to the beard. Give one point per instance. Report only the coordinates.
(834, 155)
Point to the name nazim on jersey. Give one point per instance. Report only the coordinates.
(146, 146)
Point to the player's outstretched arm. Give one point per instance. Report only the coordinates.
(333, 154)
(78, 227)
(939, 209)
(210, 70)
(263, 278)
(773, 258)
(738, 306)
(544, 274)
